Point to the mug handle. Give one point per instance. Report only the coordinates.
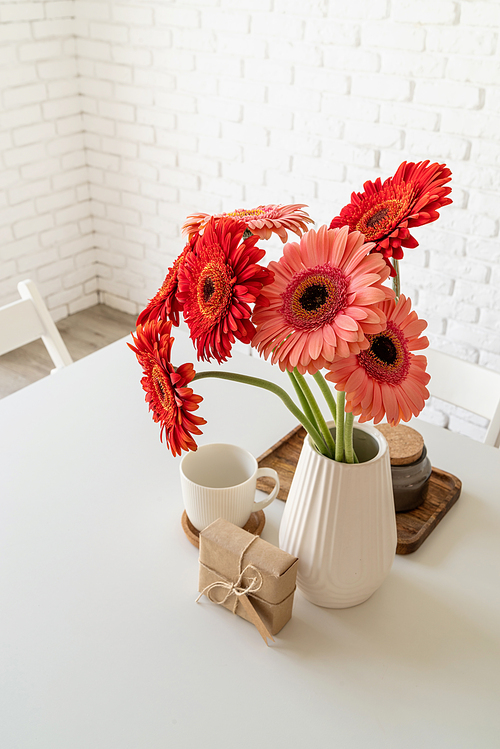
(270, 473)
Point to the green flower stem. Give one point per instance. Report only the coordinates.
(318, 416)
(302, 398)
(339, 450)
(396, 281)
(327, 393)
(272, 388)
(348, 438)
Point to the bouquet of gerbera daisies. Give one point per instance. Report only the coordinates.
(323, 307)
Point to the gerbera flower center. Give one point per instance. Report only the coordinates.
(162, 387)
(208, 289)
(384, 349)
(314, 297)
(381, 218)
(388, 358)
(377, 217)
(242, 213)
(214, 290)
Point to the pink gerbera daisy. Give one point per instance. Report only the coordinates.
(386, 212)
(323, 301)
(387, 379)
(218, 282)
(262, 221)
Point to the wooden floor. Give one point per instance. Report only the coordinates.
(82, 333)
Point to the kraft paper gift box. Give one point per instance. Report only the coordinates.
(233, 558)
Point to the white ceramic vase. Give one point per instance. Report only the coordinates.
(340, 521)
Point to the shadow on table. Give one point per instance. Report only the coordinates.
(403, 622)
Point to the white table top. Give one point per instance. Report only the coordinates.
(103, 647)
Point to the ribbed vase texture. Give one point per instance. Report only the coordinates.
(340, 521)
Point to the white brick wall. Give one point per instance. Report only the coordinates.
(45, 225)
(121, 116)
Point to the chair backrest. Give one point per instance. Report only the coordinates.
(26, 320)
(466, 385)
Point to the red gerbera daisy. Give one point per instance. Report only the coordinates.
(262, 221)
(387, 379)
(170, 401)
(217, 283)
(323, 300)
(165, 305)
(384, 213)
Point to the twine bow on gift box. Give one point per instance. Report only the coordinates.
(241, 593)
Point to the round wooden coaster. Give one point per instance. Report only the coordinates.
(255, 524)
(405, 444)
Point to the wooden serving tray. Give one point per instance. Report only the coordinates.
(441, 492)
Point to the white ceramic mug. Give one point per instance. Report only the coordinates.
(219, 481)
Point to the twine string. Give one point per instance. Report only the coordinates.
(236, 587)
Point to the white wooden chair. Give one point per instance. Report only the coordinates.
(26, 320)
(466, 385)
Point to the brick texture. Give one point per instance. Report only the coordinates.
(120, 117)
(45, 217)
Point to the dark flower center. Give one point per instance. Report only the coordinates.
(214, 291)
(314, 297)
(208, 289)
(388, 358)
(384, 349)
(379, 216)
(162, 389)
(380, 219)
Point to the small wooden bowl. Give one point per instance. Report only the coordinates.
(255, 524)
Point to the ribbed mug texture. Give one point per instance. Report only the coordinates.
(234, 499)
(229, 503)
(339, 520)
